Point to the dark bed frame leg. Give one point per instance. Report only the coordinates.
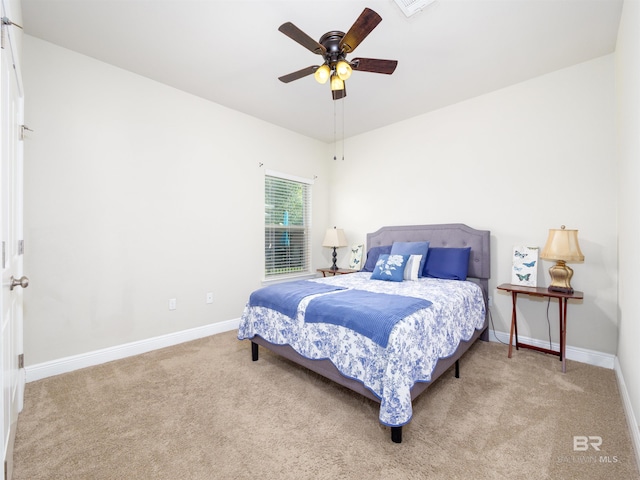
(254, 351)
(396, 432)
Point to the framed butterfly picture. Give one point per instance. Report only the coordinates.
(355, 259)
(525, 266)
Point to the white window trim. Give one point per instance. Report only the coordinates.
(286, 176)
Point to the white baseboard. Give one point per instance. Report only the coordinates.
(632, 421)
(76, 362)
(97, 357)
(591, 357)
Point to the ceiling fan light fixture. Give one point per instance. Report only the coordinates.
(337, 83)
(322, 74)
(343, 70)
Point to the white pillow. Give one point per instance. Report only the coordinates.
(412, 269)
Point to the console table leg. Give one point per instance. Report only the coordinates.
(560, 324)
(513, 323)
(563, 337)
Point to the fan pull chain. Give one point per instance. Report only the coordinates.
(335, 129)
(335, 140)
(343, 103)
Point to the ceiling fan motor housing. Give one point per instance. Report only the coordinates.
(331, 42)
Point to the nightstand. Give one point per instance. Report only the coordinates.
(562, 313)
(340, 271)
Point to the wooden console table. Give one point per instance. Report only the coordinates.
(562, 312)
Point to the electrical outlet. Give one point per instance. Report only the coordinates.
(209, 297)
(172, 304)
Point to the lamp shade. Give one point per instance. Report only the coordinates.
(334, 238)
(562, 244)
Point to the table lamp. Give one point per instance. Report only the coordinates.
(562, 246)
(334, 238)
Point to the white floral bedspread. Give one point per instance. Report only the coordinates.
(415, 344)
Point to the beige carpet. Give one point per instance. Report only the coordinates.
(203, 410)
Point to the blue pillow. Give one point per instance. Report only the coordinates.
(412, 248)
(390, 267)
(372, 257)
(448, 263)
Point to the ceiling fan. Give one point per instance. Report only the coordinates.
(333, 47)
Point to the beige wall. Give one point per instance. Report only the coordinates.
(497, 162)
(137, 193)
(628, 90)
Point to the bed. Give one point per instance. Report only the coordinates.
(433, 323)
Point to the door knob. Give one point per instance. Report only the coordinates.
(20, 282)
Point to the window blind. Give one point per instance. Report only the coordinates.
(287, 229)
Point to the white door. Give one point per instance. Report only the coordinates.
(11, 207)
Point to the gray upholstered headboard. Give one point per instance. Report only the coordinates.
(444, 235)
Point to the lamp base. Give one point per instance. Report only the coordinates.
(560, 277)
(334, 267)
(560, 289)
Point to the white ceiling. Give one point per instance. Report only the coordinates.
(232, 53)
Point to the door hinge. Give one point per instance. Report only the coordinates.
(20, 247)
(21, 360)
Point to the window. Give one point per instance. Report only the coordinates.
(287, 225)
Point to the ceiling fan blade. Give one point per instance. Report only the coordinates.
(374, 65)
(299, 74)
(294, 33)
(338, 94)
(366, 22)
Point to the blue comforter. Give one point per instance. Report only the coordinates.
(285, 297)
(370, 314)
